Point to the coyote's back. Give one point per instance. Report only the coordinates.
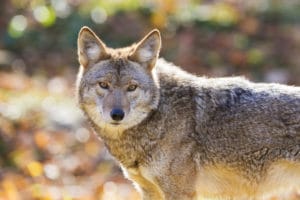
(178, 136)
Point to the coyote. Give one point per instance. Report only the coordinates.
(178, 136)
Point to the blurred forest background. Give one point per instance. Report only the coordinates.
(46, 149)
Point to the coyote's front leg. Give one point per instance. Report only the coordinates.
(148, 188)
(151, 195)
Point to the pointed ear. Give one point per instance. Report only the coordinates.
(147, 50)
(90, 48)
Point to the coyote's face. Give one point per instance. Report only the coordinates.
(117, 87)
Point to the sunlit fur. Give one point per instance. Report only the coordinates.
(185, 137)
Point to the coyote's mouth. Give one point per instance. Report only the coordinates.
(115, 123)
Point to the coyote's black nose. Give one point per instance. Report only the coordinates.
(117, 114)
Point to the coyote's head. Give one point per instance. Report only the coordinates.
(117, 88)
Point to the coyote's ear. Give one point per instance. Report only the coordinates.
(90, 48)
(147, 50)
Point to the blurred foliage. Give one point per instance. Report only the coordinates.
(258, 38)
(46, 150)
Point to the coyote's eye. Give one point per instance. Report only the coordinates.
(131, 87)
(103, 85)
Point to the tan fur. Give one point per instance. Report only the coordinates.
(143, 179)
(283, 176)
(185, 137)
(219, 181)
